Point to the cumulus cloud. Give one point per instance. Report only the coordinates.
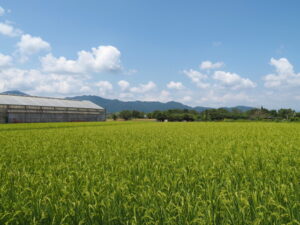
(13, 78)
(234, 97)
(285, 75)
(38, 83)
(233, 80)
(29, 45)
(214, 98)
(143, 88)
(60, 65)
(124, 85)
(101, 59)
(207, 65)
(186, 99)
(164, 96)
(282, 66)
(8, 30)
(104, 87)
(5, 60)
(161, 96)
(60, 76)
(175, 85)
(197, 78)
(219, 88)
(217, 79)
(61, 84)
(144, 92)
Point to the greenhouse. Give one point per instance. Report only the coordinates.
(28, 109)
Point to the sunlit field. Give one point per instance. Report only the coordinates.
(150, 173)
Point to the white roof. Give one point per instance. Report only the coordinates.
(50, 102)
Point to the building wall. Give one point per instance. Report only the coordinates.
(52, 117)
(29, 114)
(3, 116)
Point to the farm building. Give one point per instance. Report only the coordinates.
(28, 109)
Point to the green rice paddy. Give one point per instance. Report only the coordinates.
(150, 173)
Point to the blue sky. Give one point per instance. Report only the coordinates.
(209, 53)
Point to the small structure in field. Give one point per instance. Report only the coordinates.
(28, 109)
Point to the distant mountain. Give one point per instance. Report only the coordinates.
(201, 108)
(115, 105)
(15, 92)
(239, 107)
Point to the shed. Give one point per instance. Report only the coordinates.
(29, 109)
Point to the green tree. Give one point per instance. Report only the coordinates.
(273, 114)
(126, 115)
(137, 114)
(114, 116)
(286, 113)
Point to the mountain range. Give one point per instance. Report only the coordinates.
(16, 92)
(115, 105)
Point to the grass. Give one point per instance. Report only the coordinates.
(150, 173)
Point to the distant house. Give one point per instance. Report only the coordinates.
(28, 109)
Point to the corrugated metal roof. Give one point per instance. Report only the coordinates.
(50, 102)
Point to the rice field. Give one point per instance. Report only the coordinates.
(150, 173)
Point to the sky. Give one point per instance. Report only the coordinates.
(202, 53)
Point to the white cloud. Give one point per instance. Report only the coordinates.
(13, 78)
(164, 96)
(285, 75)
(37, 83)
(60, 65)
(60, 84)
(144, 92)
(104, 87)
(207, 65)
(175, 85)
(126, 96)
(186, 99)
(5, 60)
(8, 30)
(143, 88)
(220, 98)
(283, 66)
(161, 96)
(29, 45)
(2, 11)
(86, 89)
(197, 78)
(124, 85)
(233, 80)
(58, 76)
(101, 59)
(239, 98)
(219, 88)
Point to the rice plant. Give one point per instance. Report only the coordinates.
(150, 173)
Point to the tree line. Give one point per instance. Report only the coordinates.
(220, 114)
